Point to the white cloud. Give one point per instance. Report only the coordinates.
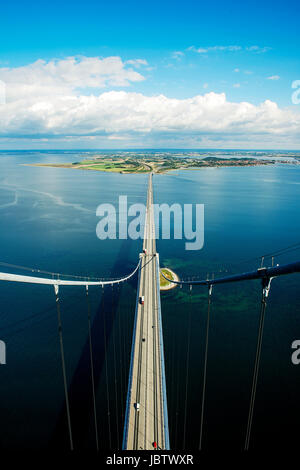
(274, 77)
(71, 73)
(232, 48)
(258, 49)
(236, 85)
(118, 112)
(200, 50)
(136, 62)
(177, 55)
(49, 100)
(247, 72)
(204, 50)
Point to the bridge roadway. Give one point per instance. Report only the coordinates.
(146, 418)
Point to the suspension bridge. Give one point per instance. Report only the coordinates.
(146, 415)
(146, 422)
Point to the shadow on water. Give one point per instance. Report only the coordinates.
(80, 388)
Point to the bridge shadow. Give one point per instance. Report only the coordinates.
(80, 391)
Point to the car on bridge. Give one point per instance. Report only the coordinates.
(142, 300)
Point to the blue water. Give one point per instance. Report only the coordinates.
(48, 221)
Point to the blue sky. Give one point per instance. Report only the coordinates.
(247, 50)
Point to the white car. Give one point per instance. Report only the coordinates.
(137, 406)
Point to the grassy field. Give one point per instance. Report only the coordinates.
(156, 164)
(162, 281)
(108, 165)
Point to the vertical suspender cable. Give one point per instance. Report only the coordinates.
(187, 369)
(172, 382)
(56, 289)
(124, 337)
(115, 371)
(178, 381)
(265, 291)
(122, 366)
(106, 375)
(92, 367)
(205, 365)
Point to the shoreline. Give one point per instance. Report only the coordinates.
(140, 167)
(170, 285)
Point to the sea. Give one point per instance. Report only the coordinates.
(48, 223)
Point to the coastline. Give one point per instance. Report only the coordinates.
(171, 285)
(158, 166)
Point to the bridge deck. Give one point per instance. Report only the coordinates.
(146, 387)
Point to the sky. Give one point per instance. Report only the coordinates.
(159, 74)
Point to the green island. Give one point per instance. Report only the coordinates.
(164, 284)
(156, 163)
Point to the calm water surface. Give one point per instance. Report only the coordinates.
(48, 221)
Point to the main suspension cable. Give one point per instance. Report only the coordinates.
(265, 292)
